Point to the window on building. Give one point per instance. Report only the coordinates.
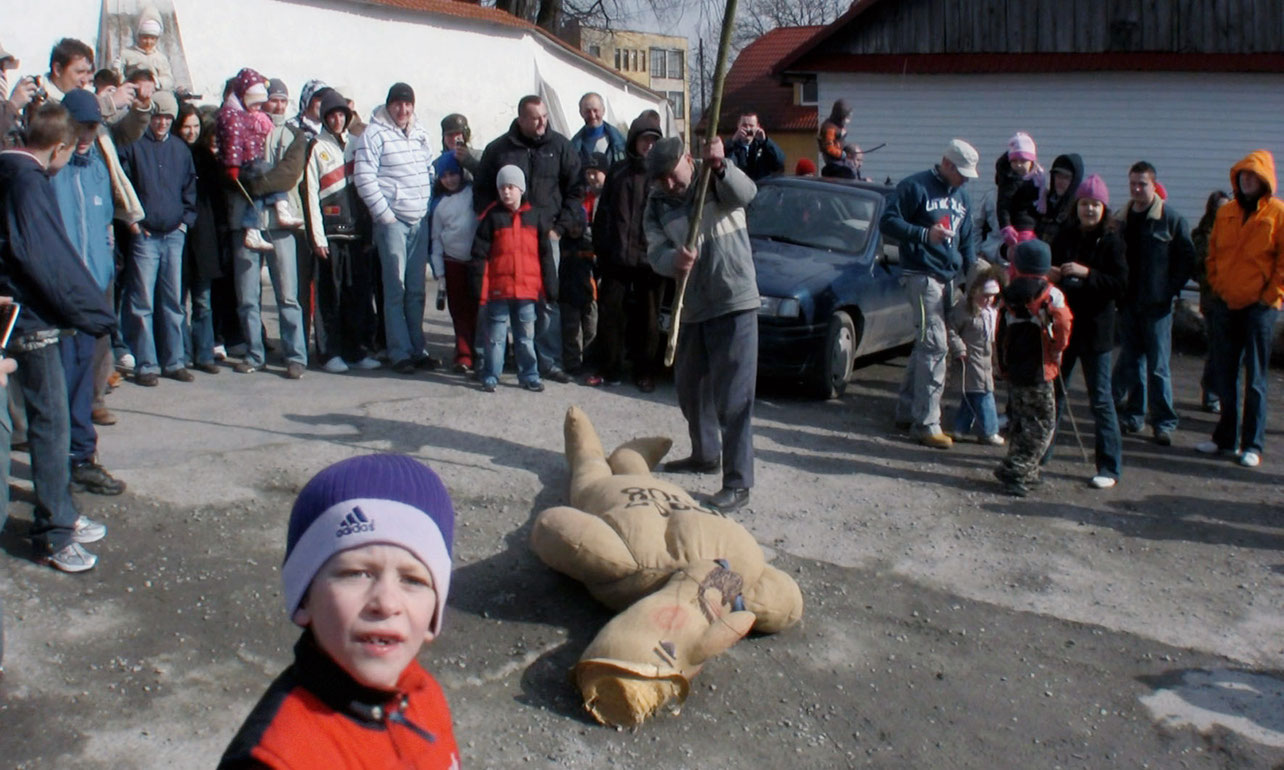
(641, 61)
(657, 63)
(634, 55)
(618, 64)
(679, 101)
(674, 67)
(595, 51)
(808, 92)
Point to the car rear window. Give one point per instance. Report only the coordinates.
(816, 217)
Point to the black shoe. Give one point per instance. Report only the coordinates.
(534, 386)
(244, 367)
(210, 368)
(405, 366)
(182, 375)
(729, 499)
(94, 478)
(427, 363)
(557, 375)
(692, 465)
(1163, 438)
(149, 380)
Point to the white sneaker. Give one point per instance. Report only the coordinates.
(1250, 459)
(1207, 448)
(336, 365)
(958, 437)
(126, 361)
(220, 353)
(1102, 482)
(254, 240)
(285, 216)
(72, 558)
(367, 363)
(88, 531)
(995, 440)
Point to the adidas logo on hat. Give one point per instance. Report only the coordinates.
(354, 522)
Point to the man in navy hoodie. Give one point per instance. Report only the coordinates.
(41, 270)
(931, 215)
(163, 173)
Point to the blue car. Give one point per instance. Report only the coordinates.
(830, 285)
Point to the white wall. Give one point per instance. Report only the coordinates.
(1191, 126)
(453, 65)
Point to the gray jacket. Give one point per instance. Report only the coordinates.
(973, 335)
(723, 279)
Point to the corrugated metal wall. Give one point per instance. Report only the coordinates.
(1191, 126)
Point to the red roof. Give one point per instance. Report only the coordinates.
(751, 86)
(461, 8)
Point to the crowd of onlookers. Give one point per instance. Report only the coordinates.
(1052, 277)
(164, 215)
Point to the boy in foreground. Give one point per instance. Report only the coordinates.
(366, 573)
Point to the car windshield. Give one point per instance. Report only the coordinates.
(819, 216)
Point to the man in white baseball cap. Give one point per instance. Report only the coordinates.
(931, 215)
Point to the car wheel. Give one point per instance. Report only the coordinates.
(830, 379)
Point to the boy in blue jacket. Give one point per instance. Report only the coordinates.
(41, 270)
(83, 190)
(164, 175)
(931, 215)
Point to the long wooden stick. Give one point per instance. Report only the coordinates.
(702, 186)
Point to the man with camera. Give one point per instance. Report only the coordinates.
(751, 150)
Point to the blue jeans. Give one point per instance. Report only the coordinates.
(1235, 336)
(548, 336)
(202, 322)
(249, 296)
(977, 412)
(1107, 448)
(77, 352)
(522, 314)
(403, 260)
(1142, 373)
(44, 386)
(155, 305)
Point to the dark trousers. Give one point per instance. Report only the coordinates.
(716, 370)
(1238, 337)
(1031, 422)
(579, 330)
(77, 352)
(463, 298)
(306, 265)
(44, 387)
(345, 302)
(628, 324)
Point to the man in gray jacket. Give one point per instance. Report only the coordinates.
(717, 358)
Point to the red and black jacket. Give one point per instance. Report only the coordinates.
(514, 247)
(315, 715)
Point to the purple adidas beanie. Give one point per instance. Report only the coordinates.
(383, 498)
(1094, 187)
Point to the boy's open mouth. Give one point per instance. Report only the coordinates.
(378, 640)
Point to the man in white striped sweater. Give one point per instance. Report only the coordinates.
(392, 176)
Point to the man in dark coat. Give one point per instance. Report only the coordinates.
(555, 190)
(629, 292)
(40, 269)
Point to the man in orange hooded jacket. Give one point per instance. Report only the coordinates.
(1246, 273)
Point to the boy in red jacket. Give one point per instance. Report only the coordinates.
(519, 271)
(366, 573)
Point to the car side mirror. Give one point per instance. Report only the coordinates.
(890, 253)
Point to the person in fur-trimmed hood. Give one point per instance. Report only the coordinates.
(337, 230)
(630, 291)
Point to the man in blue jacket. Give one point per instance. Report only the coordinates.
(40, 269)
(83, 190)
(931, 215)
(597, 135)
(163, 173)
